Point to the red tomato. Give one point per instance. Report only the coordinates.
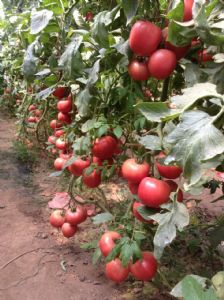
(32, 120)
(137, 214)
(144, 38)
(59, 163)
(106, 243)
(64, 118)
(188, 5)
(57, 219)
(118, 149)
(146, 92)
(133, 187)
(179, 51)
(61, 92)
(116, 272)
(162, 63)
(133, 171)
(153, 192)
(52, 139)
(60, 144)
(59, 133)
(65, 106)
(170, 172)
(77, 167)
(65, 156)
(203, 56)
(93, 180)
(32, 107)
(104, 147)
(55, 124)
(37, 113)
(144, 269)
(138, 70)
(68, 230)
(89, 16)
(76, 217)
(173, 188)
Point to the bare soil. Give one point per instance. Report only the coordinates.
(35, 263)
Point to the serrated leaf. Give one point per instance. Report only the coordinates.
(117, 249)
(39, 20)
(130, 9)
(157, 111)
(196, 145)
(102, 218)
(126, 254)
(151, 142)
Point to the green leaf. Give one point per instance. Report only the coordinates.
(82, 101)
(90, 245)
(126, 254)
(177, 290)
(30, 61)
(177, 12)
(93, 73)
(176, 219)
(196, 145)
(157, 111)
(130, 9)
(118, 131)
(39, 20)
(146, 212)
(45, 93)
(151, 142)
(88, 125)
(96, 256)
(56, 174)
(71, 60)
(102, 218)
(216, 235)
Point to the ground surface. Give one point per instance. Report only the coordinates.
(32, 257)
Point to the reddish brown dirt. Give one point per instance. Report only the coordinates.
(32, 255)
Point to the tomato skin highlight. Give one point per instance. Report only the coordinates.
(173, 188)
(55, 124)
(162, 63)
(32, 107)
(144, 38)
(65, 106)
(60, 144)
(64, 118)
(56, 219)
(59, 163)
(144, 269)
(116, 272)
(188, 5)
(68, 230)
(133, 171)
(77, 167)
(52, 139)
(76, 217)
(153, 192)
(93, 180)
(61, 92)
(138, 70)
(104, 147)
(59, 133)
(106, 243)
(169, 172)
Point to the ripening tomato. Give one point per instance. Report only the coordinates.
(162, 63)
(32, 120)
(146, 92)
(104, 147)
(118, 149)
(134, 171)
(133, 187)
(55, 124)
(57, 219)
(60, 144)
(188, 5)
(153, 192)
(65, 106)
(138, 70)
(144, 38)
(93, 180)
(77, 167)
(76, 217)
(116, 272)
(68, 230)
(37, 113)
(59, 133)
(173, 188)
(65, 156)
(64, 118)
(52, 139)
(180, 52)
(32, 107)
(89, 16)
(170, 172)
(203, 56)
(145, 268)
(61, 92)
(106, 243)
(137, 215)
(59, 163)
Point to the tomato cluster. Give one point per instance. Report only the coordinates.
(34, 114)
(68, 220)
(143, 269)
